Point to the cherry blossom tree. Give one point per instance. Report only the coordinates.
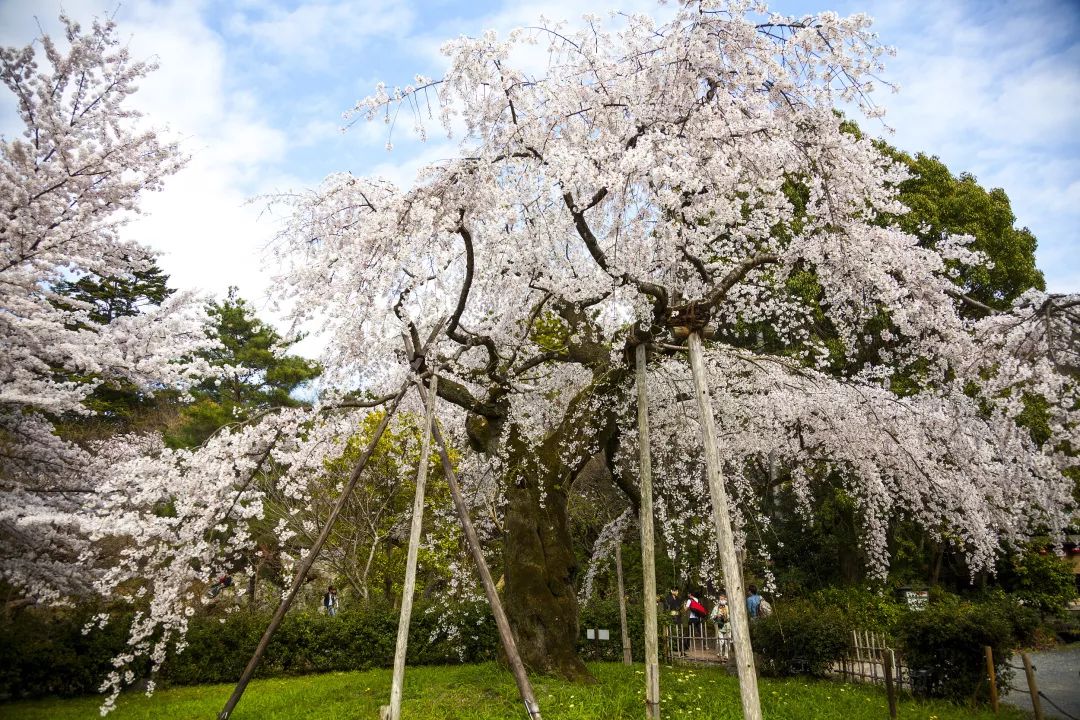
(648, 181)
(654, 180)
(79, 168)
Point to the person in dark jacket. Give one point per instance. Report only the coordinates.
(329, 601)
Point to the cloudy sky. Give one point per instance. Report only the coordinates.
(256, 91)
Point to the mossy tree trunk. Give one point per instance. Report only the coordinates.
(541, 569)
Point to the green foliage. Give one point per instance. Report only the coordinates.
(550, 332)
(257, 372)
(113, 297)
(115, 402)
(487, 692)
(801, 637)
(941, 203)
(943, 644)
(604, 614)
(863, 609)
(1038, 578)
(45, 653)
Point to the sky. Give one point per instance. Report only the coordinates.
(255, 91)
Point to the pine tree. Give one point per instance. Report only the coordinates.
(256, 372)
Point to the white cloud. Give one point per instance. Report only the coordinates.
(311, 32)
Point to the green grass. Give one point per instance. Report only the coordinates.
(487, 692)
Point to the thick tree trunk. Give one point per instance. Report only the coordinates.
(540, 567)
(540, 594)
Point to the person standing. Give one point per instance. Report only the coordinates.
(330, 601)
(753, 602)
(673, 608)
(696, 613)
(721, 616)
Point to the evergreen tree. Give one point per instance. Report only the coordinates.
(256, 372)
(118, 295)
(116, 403)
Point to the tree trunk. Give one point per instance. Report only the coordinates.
(541, 598)
(540, 567)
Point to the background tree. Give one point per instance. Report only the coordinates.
(255, 372)
(366, 551)
(116, 404)
(81, 164)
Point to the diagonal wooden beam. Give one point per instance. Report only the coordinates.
(306, 563)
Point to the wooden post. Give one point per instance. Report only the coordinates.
(309, 559)
(648, 543)
(410, 561)
(473, 541)
(740, 620)
(993, 678)
(1033, 687)
(889, 658)
(873, 656)
(627, 657)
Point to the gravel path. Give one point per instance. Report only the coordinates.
(1057, 673)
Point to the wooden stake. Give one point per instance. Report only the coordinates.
(740, 620)
(1033, 687)
(473, 541)
(993, 678)
(309, 559)
(648, 544)
(410, 562)
(627, 656)
(889, 658)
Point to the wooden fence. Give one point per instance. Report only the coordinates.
(697, 643)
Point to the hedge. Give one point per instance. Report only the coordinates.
(44, 653)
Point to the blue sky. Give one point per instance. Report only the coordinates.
(256, 91)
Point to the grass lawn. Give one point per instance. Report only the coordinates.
(487, 692)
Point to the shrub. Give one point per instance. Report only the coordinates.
(1039, 579)
(863, 609)
(357, 639)
(944, 643)
(605, 614)
(801, 637)
(44, 652)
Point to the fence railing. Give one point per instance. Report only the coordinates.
(703, 642)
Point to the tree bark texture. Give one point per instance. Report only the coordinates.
(541, 569)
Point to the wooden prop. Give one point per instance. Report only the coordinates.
(410, 562)
(627, 656)
(648, 544)
(473, 541)
(993, 678)
(889, 661)
(309, 559)
(740, 621)
(1033, 687)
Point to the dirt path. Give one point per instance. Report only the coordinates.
(1057, 673)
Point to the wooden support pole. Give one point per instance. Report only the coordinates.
(648, 544)
(889, 662)
(993, 678)
(627, 656)
(740, 620)
(309, 559)
(473, 541)
(1033, 687)
(408, 590)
